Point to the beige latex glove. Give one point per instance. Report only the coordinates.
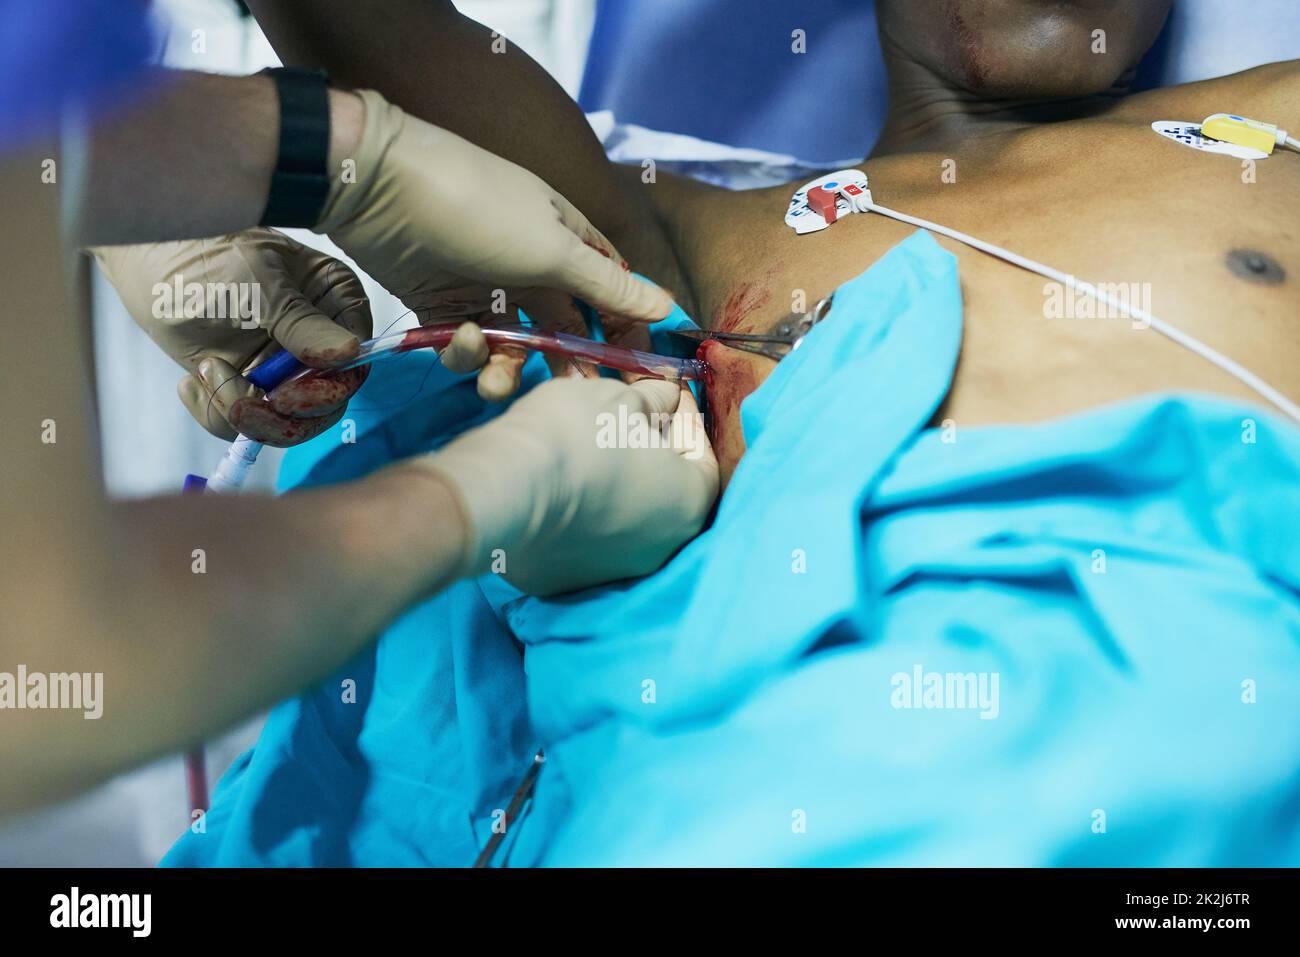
(444, 225)
(292, 296)
(548, 484)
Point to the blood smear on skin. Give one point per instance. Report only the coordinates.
(730, 379)
(746, 299)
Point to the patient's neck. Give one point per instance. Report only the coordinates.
(927, 113)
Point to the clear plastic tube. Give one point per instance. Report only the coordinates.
(437, 335)
(232, 472)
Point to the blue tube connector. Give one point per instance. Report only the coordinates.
(275, 370)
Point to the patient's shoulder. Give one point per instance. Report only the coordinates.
(1284, 71)
(1276, 84)
(1270, 93)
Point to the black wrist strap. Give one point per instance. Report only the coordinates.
(301, 183)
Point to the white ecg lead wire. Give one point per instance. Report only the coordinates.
(1233, 368)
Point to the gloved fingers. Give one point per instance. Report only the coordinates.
(619, 331)
(332, 287)
(467, 351)
(575, 222)
(311, 396)
(197, 402)
(313, 337)
(500, 368)
(693, 444)
(655, 396)
(594, 272)
(316, 395)
(627, 333)
(228, 395)
(682, 426)
(555, 311)
(606, 286)
(260, 422)
(686, 404)
(593, 237)
(314, 305)
(499, 378)
(222, 388)
(346, 304)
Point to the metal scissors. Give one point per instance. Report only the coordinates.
(779, 344)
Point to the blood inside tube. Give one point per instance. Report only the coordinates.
(426, 337)
(436, 336)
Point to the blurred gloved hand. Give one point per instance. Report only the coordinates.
(570, 500)
(455, 231)
(221, 306)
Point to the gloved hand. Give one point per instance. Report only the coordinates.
(443, 225)
(570, 500)
(256, 291)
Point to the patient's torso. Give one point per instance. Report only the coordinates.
(1201, 240)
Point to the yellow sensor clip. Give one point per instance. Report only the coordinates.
(1243, 131)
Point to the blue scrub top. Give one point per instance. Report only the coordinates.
(59, 52)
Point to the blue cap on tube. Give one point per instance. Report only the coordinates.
(275, 370)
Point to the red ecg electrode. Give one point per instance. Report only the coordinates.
(823, 202)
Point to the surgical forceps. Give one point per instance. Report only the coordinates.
(787, 337)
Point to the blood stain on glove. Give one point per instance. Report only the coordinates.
(317, 395)
(608, 254)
